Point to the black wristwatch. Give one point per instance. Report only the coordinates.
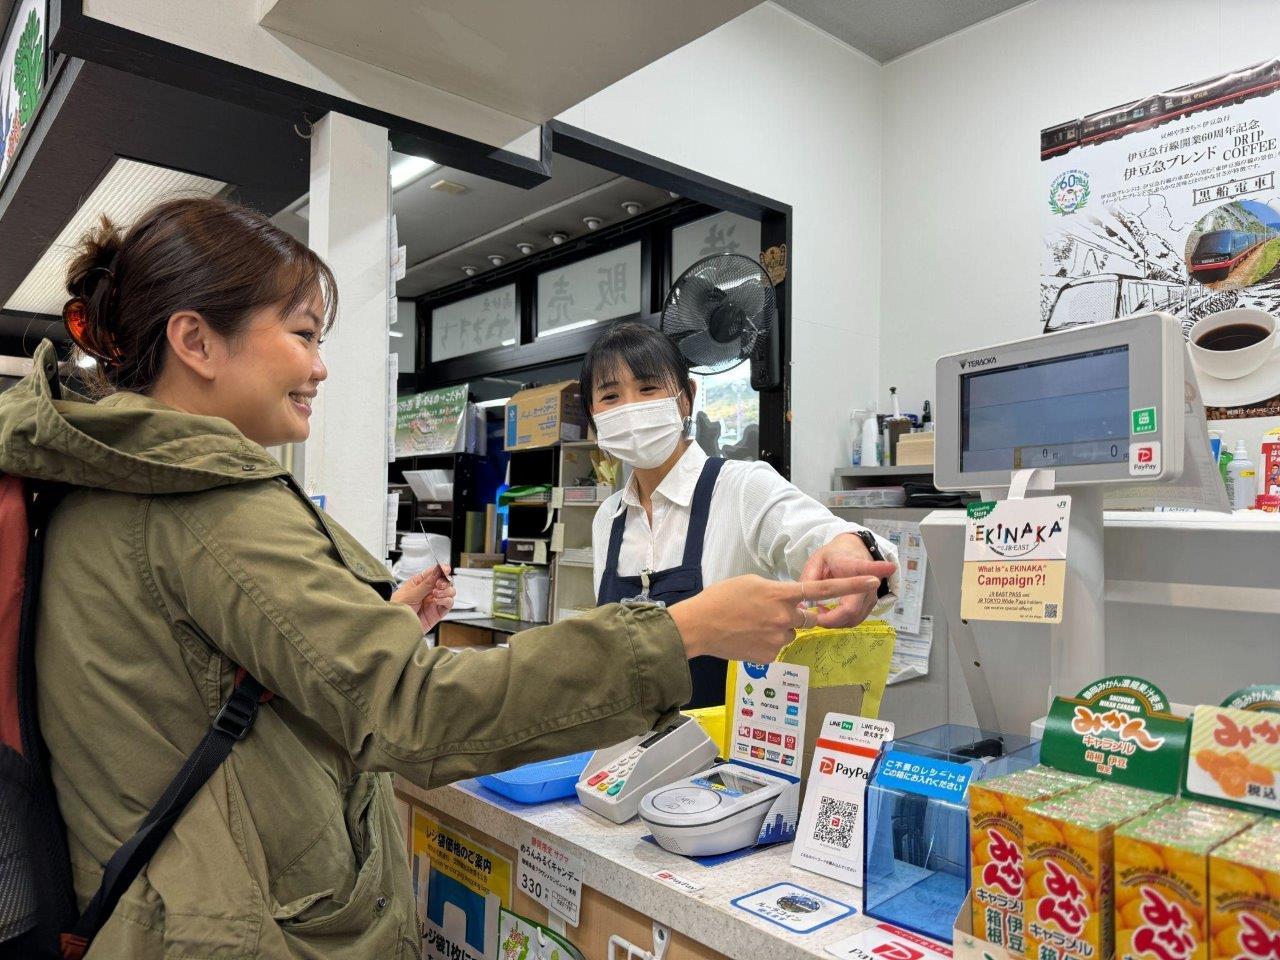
(869, 538)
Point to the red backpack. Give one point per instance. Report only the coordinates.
(38, 916)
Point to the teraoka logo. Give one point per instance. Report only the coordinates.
(980, 362)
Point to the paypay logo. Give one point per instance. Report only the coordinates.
(836, 768)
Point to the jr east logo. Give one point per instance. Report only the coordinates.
(1069, 192)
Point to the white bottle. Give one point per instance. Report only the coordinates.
(1243, 478)
(856, 421)
(870, 441)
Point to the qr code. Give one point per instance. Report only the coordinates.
(1051, 611)
(837, 819)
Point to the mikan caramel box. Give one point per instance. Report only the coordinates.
(1068, 901)
(996, 813)
(1244, 895)
(1162, 879)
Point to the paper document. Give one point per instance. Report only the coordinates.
(906, 537)
(911, 653)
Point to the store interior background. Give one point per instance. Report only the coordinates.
(914, 180)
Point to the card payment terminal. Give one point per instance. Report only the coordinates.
(616, 778)
(712, 812)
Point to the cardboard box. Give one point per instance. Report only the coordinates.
(915, 449)
(1162, 879)
(1244, 894)
(1068, 906)
(997, 816)
(544, 415)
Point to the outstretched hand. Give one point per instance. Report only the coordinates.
(845, 556)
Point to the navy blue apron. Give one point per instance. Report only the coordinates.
(675, 584)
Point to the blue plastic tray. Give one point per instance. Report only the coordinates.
(539, 782)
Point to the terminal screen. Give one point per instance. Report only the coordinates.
(723, 778)
(1066, 411)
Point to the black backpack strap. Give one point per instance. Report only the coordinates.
(229, 726)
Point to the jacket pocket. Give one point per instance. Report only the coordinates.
(323, 915)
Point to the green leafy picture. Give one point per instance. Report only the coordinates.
(28, 67)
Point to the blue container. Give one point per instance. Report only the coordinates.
(539, 782)
(917, 826)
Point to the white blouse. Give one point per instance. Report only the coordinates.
(758, 523)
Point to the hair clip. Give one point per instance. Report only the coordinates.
(75, 314)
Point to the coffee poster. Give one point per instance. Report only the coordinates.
(1171, 203)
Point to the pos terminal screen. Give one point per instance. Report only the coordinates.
(1065, 411)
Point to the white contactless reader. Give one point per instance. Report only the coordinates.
(616, 778)
(714, 811)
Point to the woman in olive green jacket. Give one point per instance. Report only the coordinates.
(184, 551)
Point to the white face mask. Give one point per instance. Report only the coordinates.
(641, 434)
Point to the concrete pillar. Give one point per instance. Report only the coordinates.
(345, 457)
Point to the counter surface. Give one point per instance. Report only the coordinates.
(619, 863)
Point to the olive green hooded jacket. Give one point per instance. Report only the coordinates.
(183, 550)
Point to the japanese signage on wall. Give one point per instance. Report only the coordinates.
(461, 887)
(477, 323)
(21, 76)
(603, 287)
(430, 422)
(1172, 203)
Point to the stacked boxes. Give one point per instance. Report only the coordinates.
(1244, 895)
(1162, 879)
(1069, 897)
(996, 816)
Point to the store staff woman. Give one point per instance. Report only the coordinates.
(184, 551)
(684, 520)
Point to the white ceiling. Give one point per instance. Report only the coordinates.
(886, 29)
(127, 191)
(529, 59)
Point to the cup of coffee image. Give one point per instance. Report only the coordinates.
(1232, 344)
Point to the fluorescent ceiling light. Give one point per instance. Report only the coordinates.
(566, 328)
(127, 191)
(404, 171)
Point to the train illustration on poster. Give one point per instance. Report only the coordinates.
(1171, 203)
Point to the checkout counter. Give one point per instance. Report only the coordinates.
(1152, 572)
(620, 894)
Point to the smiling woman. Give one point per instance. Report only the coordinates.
(240, 303)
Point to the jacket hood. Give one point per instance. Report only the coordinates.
(126, 442)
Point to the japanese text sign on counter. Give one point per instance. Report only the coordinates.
(1015, 560)
(1119, 728)
(1235, 756)
(551, 876)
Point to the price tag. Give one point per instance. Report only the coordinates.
(551, 876)
(1234, 756)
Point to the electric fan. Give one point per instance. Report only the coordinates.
(722, 311)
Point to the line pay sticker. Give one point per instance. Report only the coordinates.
(1015, 560)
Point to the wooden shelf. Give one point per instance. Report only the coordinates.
(583, 564)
